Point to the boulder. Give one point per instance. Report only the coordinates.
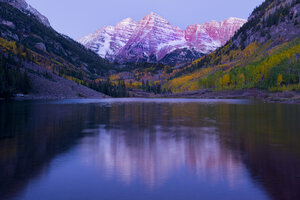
(41, 46)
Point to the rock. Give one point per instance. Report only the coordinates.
(9, 34)
(24, 7)
(286, 95)
(41, 46)
(8, 23)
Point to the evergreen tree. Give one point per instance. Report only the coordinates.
(2, 78)
(26, 83)
(148, 88)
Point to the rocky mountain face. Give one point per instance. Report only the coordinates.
(154, 39)
(273, 19)
(28, 9)
(210, 36)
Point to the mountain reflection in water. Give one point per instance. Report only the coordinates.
(155, 156)
(149, 149)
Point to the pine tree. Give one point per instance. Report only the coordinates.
(2, 79)
(148, 88)
(26, 83)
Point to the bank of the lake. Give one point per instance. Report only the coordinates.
(291, 97)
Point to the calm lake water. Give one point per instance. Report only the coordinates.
(142, 149)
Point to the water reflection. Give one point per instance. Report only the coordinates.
(155, 156)
(31, 135)
(215, 150)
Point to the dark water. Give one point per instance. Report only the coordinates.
(149, 149)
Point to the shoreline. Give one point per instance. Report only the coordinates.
(34, 97)
(289, 97)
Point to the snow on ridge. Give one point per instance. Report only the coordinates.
(181, 42)
(155, 36)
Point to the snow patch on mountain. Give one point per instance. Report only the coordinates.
(153, 37)
(107, 41)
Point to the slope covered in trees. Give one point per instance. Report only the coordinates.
(13, 80)
(26, 30)
(26, 44)
(264, 53)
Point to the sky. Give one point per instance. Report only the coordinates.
(77, 18)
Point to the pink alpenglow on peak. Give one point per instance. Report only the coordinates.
(107, 41)
(153, 38)
(146, 42)
(209, 36)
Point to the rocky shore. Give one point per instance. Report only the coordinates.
(280, 97)
(272, 97)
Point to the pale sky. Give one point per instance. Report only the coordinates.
(77, 18)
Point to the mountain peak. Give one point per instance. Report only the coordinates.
(232, 20)
(128, 20)
(154, 17)
(23, 6)
(154, 14)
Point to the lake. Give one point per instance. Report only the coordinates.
(142, 149)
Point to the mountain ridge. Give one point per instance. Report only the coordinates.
(153, 38)
(23, 6)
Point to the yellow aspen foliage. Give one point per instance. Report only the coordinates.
(194, 86)
(279, 80)
(114, 77)
(225, 81)
(241, 79)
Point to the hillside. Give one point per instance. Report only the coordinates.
(263, 54)
(30, 47)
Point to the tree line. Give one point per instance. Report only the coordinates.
(153, 87)
(109, 88)
(13, 79)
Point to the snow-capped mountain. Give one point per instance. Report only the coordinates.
(26, 8)
(107, 41)
(209, 36)
(151, 41)
(154, 39)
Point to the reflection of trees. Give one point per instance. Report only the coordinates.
(158, 139)
(264, 136)
(31, 135)
(267, 137)
(151, 141)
